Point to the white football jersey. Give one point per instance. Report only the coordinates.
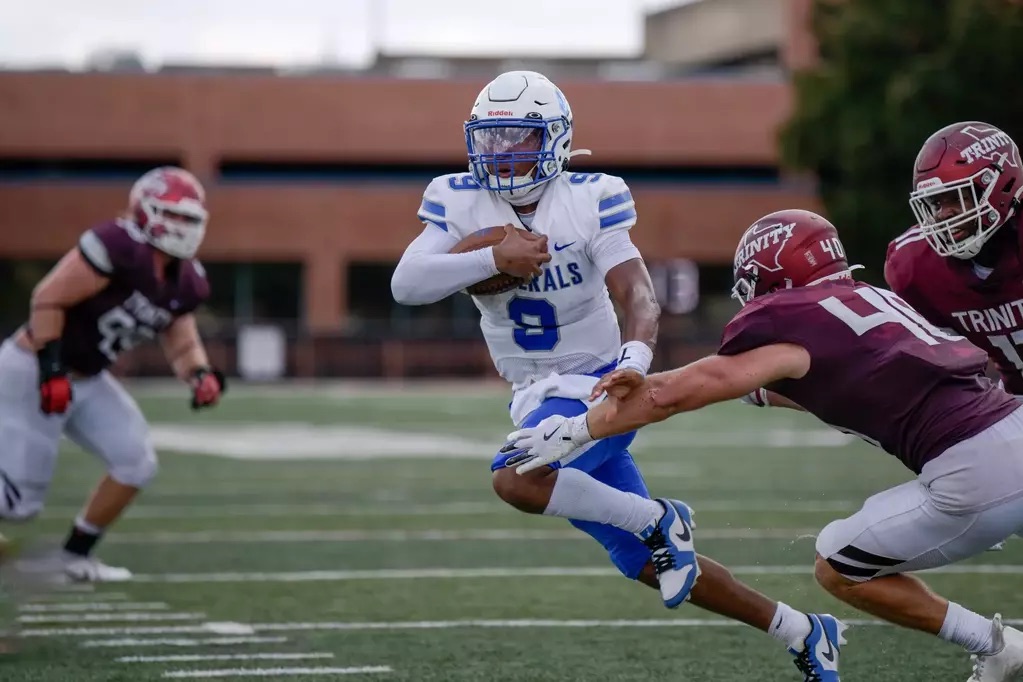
(562, 321)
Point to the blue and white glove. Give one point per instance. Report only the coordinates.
(550, 441)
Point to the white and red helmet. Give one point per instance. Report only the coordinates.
(169, 206)
(787, 249)
(967, 182)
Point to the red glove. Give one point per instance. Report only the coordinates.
(55, 395)
(54, 384)
(207, 385)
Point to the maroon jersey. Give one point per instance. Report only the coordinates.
(950, 293)
(134, 307)
(877, 369)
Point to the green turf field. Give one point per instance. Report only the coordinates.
(355, 531)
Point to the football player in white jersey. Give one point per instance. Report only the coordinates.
(556, 335)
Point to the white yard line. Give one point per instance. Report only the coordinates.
(116, 631)
(514, 623)
(195, 658)
(429, 535)
(77, 589)
(500, 572)
(359, 626)
(61, 596)
(95, 606)
(276, 672)
(136, 642)
(214, 511)
(385, 574)
(130, 617)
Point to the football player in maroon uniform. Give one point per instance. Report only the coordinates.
(961, 266)
(862, 360)
(127, 281)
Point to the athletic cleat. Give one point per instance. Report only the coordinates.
(83, 569)
(818, 661)
(1007, 661)
(673, 555)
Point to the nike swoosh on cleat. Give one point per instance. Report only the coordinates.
(685, 535)
(830, 653)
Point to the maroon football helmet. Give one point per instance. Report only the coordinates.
(967, 182)
(786, 249)
(169, 206)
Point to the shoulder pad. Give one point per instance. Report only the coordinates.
(752, 327)
(443, 198)
(113, 247)
(615, 207)
(899, 260)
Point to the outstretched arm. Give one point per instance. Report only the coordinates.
(711, 380)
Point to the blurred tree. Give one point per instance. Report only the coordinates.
(17, 279)
(890, 74)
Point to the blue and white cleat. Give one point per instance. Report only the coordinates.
(673, 555)
(818, 661)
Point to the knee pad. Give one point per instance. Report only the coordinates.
(835, 546)
(137, 472)
(827, 541)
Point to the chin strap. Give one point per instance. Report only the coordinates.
(841, 274)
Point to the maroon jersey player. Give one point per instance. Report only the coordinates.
(961, 265)
(127, 281)
(864, 361)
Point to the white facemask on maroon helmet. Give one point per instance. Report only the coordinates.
(169, 206)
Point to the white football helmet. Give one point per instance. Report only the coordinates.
(520, 117)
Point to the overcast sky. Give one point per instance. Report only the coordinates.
(294, 32)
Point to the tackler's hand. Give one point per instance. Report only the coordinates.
(618, 384)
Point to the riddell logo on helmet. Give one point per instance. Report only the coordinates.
(500, 112)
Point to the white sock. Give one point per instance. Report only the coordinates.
(969, 630)
(789, 626)
(86, 527)
(579, 496)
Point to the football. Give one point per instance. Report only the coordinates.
(481, 239)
